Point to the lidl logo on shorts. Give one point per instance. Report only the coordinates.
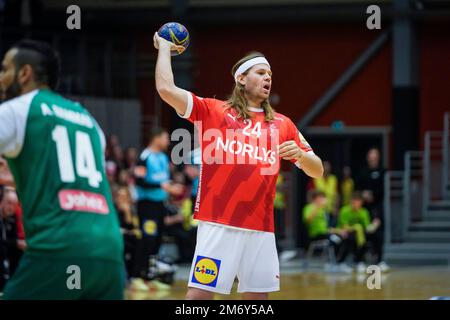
(206, 271)
(150, 228)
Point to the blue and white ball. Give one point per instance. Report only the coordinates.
(176, 33)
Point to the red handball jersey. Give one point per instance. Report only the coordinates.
(240, 163)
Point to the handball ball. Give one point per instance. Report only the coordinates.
(176, 33)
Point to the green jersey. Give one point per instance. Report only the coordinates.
(317, 226)
(54, 148)
(349, 217)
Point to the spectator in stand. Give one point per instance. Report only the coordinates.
(316, 220)
(355, 219)
(114, 156)
(113, 141)
(175, 227)
(347, 186)
(328, 184)
(5, 174)
(128, 226)
(279, 206)
(9, 251)
(111, 172)
(371, 182)
(177, 224)
(118, 156)
(126, 179)
(130, 163)
(16, 245)
(130, 159)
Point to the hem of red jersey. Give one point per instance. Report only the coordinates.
(226, 225)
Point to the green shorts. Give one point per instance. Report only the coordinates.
(41, 278)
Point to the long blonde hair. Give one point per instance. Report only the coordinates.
(237, 99)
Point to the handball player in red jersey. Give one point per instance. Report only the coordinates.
(242, 141)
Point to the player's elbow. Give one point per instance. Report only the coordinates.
(164, 91)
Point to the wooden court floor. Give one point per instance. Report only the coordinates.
(411, 283)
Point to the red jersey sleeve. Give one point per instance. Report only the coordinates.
(294, 134)
(198, 108)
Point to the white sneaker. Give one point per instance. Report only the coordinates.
(138, 284)
(384, 267)
(342, 267)
(361, 267)
(164, 267)
(288, 255)
(334, 238)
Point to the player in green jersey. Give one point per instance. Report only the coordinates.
(54, 149)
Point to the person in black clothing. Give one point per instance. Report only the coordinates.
(371, 182)
(9, 252)
(130, 232)
(153, 186)
(4, 262)
(183, 238)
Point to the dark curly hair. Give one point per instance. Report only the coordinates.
(41, 57)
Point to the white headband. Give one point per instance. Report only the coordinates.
(248, 64)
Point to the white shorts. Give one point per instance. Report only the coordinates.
(222, 253)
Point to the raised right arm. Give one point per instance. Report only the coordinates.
(176, 97)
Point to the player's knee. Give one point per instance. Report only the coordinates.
(255, 296)
(199, 294)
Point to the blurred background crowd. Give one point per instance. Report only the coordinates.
(154, 202)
